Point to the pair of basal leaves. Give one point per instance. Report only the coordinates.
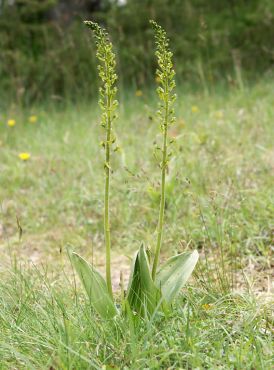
(144, 296)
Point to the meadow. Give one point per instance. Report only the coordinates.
(219, 201)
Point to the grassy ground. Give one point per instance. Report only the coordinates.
(219, 200)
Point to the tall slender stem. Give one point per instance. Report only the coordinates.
(163, 197)
(107, 181)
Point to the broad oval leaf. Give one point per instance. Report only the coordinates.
(174, 273)
(142, 294)
(94, 285)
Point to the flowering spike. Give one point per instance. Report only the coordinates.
(165, 79)
(108, 105)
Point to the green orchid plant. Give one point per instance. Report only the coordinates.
(150, 288)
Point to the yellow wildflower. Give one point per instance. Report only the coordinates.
(139, 93)
(11, 122)
(207, 306)
(24, 156)
(33, 119)
(219, 114)
(194, 109)
(181, 122)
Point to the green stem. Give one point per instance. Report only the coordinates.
(162, 203)
(106, 220)
(107, 181)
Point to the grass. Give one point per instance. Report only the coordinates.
(48, 325)
(219, 200)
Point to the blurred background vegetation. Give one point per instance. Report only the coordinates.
(47, 53)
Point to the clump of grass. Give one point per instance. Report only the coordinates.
(50, 325)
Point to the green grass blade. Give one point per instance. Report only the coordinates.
(94, 285)
(174, 273)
